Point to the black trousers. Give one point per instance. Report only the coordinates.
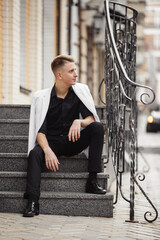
(92, 136)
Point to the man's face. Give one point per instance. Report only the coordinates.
(68, 74)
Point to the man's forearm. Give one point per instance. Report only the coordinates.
(86, 121)
(42, 141)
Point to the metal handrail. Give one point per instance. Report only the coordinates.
(116, 104)
(120, 64)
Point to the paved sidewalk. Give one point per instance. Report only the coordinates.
(15, 227)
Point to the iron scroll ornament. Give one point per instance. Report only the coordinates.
(99, 91)
(118, 59)
(141, 177)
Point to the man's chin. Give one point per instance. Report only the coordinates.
(74, 82)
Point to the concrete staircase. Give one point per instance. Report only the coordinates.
(63, 192)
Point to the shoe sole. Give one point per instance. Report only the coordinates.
(30, 215)
(96, 193)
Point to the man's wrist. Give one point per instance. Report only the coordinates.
(45, 149)
(80, 120)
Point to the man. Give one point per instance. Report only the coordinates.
(56, 129)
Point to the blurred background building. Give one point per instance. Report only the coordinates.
(150, 69)
(33, 32)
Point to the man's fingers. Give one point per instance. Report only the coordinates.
(69, 135)
(47, 165)
(74, 135)
(52, 165)
(78, 133)
(74, 131)
(56, 165)
(52, 161)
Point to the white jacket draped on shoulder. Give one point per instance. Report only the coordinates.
(40, 104)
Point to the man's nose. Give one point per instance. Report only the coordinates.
(75, 74)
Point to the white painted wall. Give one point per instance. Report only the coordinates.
(48, 42)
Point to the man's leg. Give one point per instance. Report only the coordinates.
(92, 136)
(35, 159)
(36, 163)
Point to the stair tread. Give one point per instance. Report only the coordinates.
(53, 175)
(14, 120)
(66, 195)
(15, 155)
(4, 137)
(15, 105)
(18, 155)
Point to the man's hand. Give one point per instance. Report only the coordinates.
(74, 131)
(51, 159)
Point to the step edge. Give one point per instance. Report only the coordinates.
(13, 155)
(14, 121)
(60, 175)
(8, 137)
(15, 105)
(58, 195)
(19, 155)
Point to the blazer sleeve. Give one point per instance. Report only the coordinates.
(32, 127)
(91, 104)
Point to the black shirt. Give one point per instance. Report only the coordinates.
(61, 114)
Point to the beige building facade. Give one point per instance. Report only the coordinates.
(151, 66)
(148, 45)
(33, 32)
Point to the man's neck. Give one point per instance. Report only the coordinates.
(61, 90)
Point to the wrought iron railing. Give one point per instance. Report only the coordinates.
(121, 104)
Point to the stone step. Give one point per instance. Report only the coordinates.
(17, 127)
(16, 111)
(13, 144)
(18, 162)
(57, 182)
(14, 127)
(70, 204)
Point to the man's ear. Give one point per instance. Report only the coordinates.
(58, 75)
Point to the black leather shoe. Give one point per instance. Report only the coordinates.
(32, 209)
(93, 187)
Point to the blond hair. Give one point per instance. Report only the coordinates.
(59, 61)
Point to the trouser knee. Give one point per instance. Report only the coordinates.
(97, 129)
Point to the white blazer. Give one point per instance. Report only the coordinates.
(40, 104)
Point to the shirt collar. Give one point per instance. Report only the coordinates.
(53, 92)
